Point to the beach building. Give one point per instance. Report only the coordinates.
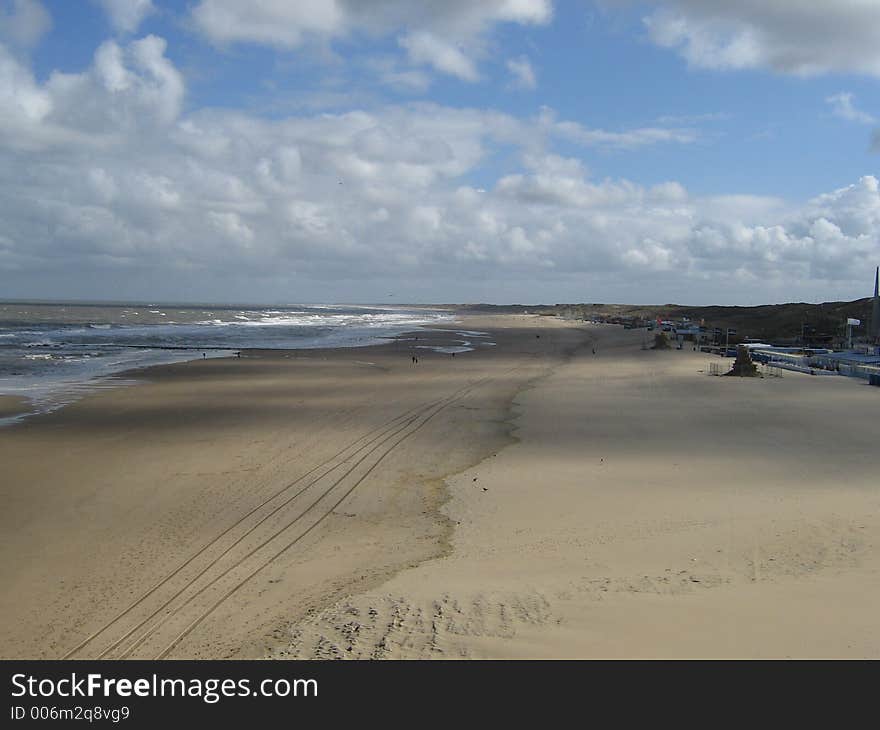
(855, 364)
(689, 333)
(818, 361)
(863, 361)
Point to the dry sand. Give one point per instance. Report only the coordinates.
(527, 500)
(647, 510)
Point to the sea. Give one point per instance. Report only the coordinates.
(54, 353)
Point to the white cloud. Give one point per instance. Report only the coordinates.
(127, 15)
(289, 23)
(102, 170)
(804, 37)
(842, 105)
(630, 139)
(285, 23)
(447, 36)
(129, 89)
(23, 22)
(22, 100)
(230, 225)
(522, 72)
(426, 48)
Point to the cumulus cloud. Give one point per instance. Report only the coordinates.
(23, 22)
(289, 23)
(522, 72)
(102, 172)
(843, 106)
(22, 98)
(127, 15)
(446, 57)
(804, 37)
(128, 90)
(448, 36)
(281, 24)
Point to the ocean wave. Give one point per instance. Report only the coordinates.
(274, 318)
(449, 350)
(56, 360)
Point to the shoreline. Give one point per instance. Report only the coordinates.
(392, 521)
(18, 407)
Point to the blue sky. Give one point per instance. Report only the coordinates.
(521, 150)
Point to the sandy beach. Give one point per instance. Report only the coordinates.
(561, 494)
(12, 406)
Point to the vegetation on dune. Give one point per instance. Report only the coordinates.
(777, 322)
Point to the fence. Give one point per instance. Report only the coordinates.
(858, 371)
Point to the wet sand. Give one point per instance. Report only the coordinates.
(11, 405)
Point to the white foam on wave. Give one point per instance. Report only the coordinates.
(68, 372)
(463, 333)
(446, 349)
(372, 320)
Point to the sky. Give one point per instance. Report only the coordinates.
(396, 151)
